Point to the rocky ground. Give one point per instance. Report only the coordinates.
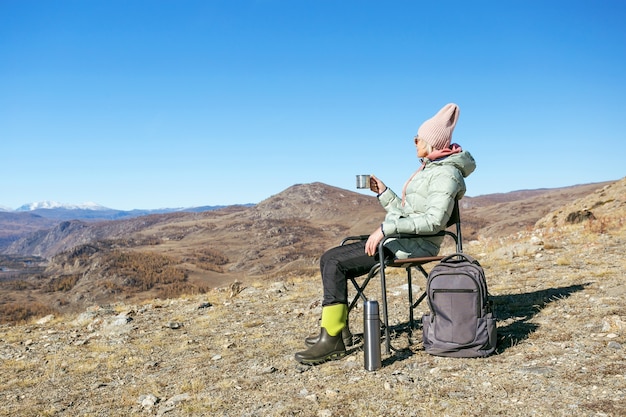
(561, 312)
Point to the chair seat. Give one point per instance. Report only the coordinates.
(409, 262)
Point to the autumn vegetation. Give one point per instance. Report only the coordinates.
(282, 237)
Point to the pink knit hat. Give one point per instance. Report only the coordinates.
(437, 131)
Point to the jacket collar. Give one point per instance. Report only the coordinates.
(442, 153)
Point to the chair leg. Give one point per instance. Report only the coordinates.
(419, 300)
(359, 294)
(383, 285)
(425, 273)
(410, 284)
(360, 289)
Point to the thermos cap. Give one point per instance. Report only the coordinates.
(370, 308)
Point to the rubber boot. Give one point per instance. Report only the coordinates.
(346, 335)
(327, 348)
(330, 344)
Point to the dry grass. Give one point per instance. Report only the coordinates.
(559, 307)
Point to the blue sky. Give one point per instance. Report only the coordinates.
(151, 104)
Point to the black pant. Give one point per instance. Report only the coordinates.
(339, 264)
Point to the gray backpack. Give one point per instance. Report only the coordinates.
(461, 323)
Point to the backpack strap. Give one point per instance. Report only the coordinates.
(460, 255)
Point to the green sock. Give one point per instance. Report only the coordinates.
(334, 318)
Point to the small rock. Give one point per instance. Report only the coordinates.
(302, 368)
(404, 379)
(332, 393)
(311, 397)
(614, 345)
(121, 320)
(268, 370)
(278, 287)
(164, 409)
(613, 323)
(179, 398)
(148, 401)
(46, 319)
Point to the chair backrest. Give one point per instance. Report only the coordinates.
(455, 220)
(455, 217)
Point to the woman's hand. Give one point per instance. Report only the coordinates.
(373, 241)
(377, 185)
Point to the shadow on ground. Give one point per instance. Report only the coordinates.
(521, 308)
(516, 309)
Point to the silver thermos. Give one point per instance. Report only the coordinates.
(371, 335)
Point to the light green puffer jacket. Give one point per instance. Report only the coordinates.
(429, 202)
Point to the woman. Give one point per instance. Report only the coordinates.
(424, 208)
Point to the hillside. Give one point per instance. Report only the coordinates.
(508, 213)
(30, 218)
(16, 225)
(165, 255)
(558, 291)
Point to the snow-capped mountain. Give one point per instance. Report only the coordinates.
(55, 205)
(92, 211)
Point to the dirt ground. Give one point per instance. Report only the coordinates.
(559, 299)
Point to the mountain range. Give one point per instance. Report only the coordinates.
(28, 218)
(94, 211)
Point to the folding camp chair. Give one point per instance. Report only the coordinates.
(407, 264)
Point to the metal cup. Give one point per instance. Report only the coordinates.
(362, 181)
